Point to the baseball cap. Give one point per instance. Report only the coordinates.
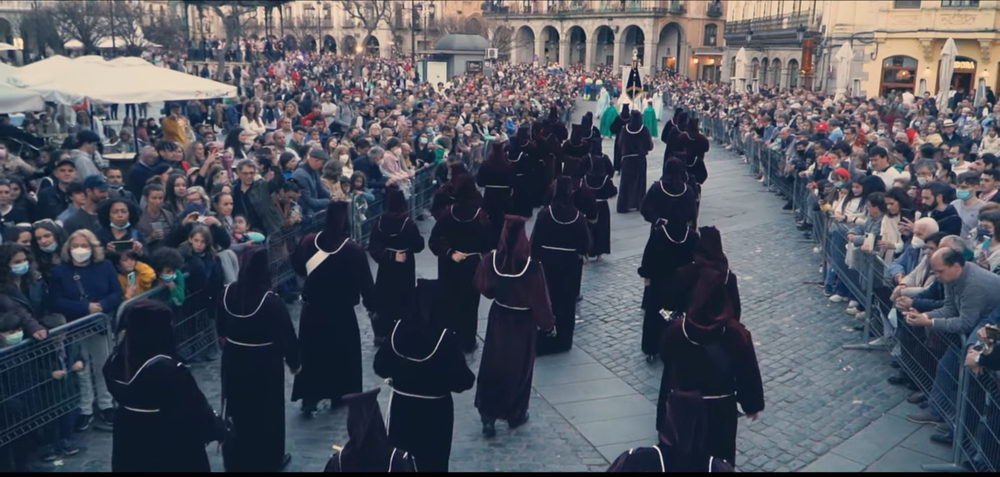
(67, 160)
(96, 181)
(87, 136)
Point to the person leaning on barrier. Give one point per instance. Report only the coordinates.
(21, 282)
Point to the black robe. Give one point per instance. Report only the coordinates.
(635, 144)
(668, 129)
(559, 244)
(574, 159)
(497, 179)
(671, 244)
(520, 308)
(427, 362)
(163, 421)
(470, 234)
(328, 327)
(398, 461)
(617, 127)
(720, 362)
(395, 282)
(661, 458)
(603, 188)
(547, 155)
(697, 147)
(253, 380)
(526, 171)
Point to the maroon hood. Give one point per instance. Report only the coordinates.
(514, 249)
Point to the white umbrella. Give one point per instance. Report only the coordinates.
(8, 47)
(17, 100)
(948, 54)
(845, 55)
(741, 69)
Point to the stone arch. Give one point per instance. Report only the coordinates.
(793, 73)
(550, 42)
(764, 76)
(372, 46)
(577, 45)
(7, 35)
(309, 43)
(670, 48)
(350, 45)
(754, 69)
(604, 48)
(776, 72)
(524, 45)
(329, 44)
(633, 38)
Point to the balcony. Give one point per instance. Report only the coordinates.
(676, 8)
(773, 31)
(578, 9)
(714, 10)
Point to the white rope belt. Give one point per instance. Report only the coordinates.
(469, 253)
(602, 200)
(497, 187)
(397, 250)
(516, 308)
(147, 411)
(717, 397)
(559, 248)
(249, 345)
(388, 409)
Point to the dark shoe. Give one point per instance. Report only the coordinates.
(946, 439)
(308, 408)
(471, 349)
(650, 358)
(942, 428)
(917, 398)
(788, 206)
(899, 380)
(924, 417)
(68, 449)
(862, 328)
(894, 364)
(489, 429)
(519, 423)
(108, 416)
(285, 461)
(83, 422)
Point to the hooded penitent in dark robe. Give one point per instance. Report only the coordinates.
(497, 176)
(549, 135)
(463, 228)
(708, 351)
(394, 235)
(424, 364)
(526, 168)
(445, 195)
(559, 241)
(635, 145)
(575, 155)
(163, 421)
(368, 448)
(591, 134)
(521, 307)
(337, 278)
(670, 206)
(617, 126)
(697, 146)
(259, 341)
(671, 125)
(682, 441)
(599, 180)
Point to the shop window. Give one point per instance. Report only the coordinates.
(899, 74)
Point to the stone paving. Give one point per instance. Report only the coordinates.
(597, 400)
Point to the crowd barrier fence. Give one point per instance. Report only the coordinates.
(933, 361)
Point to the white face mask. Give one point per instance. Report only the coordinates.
(344, 157)
(917, 242)
(81, 255)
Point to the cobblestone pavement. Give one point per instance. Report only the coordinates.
(817, 394)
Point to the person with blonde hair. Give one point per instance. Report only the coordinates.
(85, 284)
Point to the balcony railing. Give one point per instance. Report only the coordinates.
(579, 7)
(714, 10)
(773, 23)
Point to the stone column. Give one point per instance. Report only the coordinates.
(564, 52)
(591, 54)
(619, 44)
(651, 57)
(540, 49)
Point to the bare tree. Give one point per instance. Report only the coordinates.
(500, 36)
(167, 31)
(238, 17)
(304, 26)
(126, 26)
(86, 22)
(370, 13)
(40, 27)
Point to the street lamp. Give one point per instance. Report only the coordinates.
(800, 33)
(749, 36)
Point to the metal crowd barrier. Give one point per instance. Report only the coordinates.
(31, 397)
(934, 361)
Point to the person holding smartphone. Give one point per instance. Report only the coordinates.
(119, 219)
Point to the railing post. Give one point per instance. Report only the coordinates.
(961, 409)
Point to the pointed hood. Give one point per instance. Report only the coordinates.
(149, 332)
(367, 448)
(576, 135)
(625, 112)
(684, 425)
(674, 176)
(587, 123)
(553, 113)
(635, 120)
(467, 197)
(677, 112)
(523, 134)
(396, 208)
(253, 283)
(336, 228)
(711, 306)
(563, 207)
(514, 249)
(692, 126)
(498, 154)
(681, 120)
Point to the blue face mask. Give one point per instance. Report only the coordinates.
(14, 338)
(968, 254)
(839, 185)
(255, 237)
(20, 269)
(121, 227)
(288, 174)
(50, 248)
(963, 194)
(953, 162)
(168, 278)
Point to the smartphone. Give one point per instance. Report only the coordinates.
(993, 333)
(908, 214)
(158, 226)
(202, 219)
(122, 245)
(131, 279)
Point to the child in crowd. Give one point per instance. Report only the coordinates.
(59, 434)
(240, 229)
(135, 276)
(167, 263)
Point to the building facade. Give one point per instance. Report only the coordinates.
(683, 36)
(896, 44)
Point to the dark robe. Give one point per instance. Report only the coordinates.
(395, 282)
(170, 438)
(603, 188)
(697, 146)
(525, 173)
(671, 244)
(253, 377)
(616, 128)
(368, 448)
(459, 230)
(635, 144)
(520, 308)
(668, 129)
(559, 244)
(661, 458)
(497, 178)
(720, 362)
(398, 461)
(328, 327)
(549, 136)
(425, 365)
(575, 159)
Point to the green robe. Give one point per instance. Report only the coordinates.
(649, 120)
(606, 119)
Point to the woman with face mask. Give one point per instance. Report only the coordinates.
(119, 220)
(47, 241)
(22, 283)
(84, 284)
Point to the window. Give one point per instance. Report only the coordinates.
(711, 32)
(959, 3)
(906, 4)
(898, 75)
(327, 12)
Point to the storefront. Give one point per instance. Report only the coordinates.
(899, 75)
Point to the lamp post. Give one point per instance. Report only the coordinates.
(114, 46)
(431, 9)
(319, 28)
(415, 9)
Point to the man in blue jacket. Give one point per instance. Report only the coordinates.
(314, 197)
